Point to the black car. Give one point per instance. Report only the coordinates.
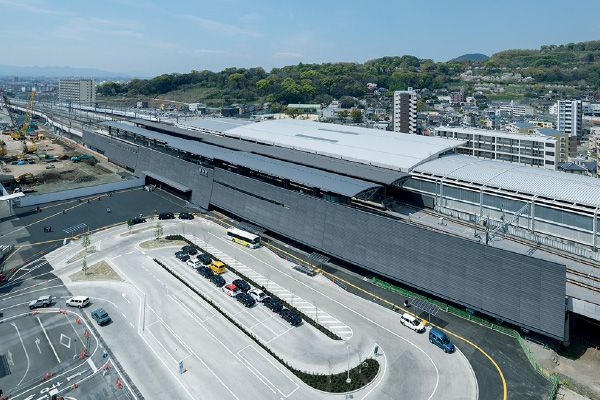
(218, 280)
(182, 255)
(186, 216)
(272, 304)
(166, 215)
(205, 272)
(245, 299)
(204, 258)
(138, 220)
(191, 250)
(290, 316)
(242, 285)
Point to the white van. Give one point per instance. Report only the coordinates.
(78, 301)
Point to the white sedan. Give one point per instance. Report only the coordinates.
(257, 295)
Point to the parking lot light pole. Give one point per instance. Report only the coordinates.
(348, 380)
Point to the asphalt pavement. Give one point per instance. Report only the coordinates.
(522, 381)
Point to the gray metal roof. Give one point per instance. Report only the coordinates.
(572, 188)
(217, 124)
(391, 150)
(298, 173)
(335, 165)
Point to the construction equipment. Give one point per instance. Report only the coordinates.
(25, 178)
(29, 149)
(27, 122)
(2, 148)
(81, 157)
(45, 156)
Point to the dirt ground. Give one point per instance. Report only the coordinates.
(52, 176)
(99, 271)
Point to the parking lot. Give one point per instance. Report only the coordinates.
(158, 323)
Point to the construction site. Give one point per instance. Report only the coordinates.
(36, 160)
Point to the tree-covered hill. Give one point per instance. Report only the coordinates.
(571, 64)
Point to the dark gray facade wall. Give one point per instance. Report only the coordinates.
(116, 151)
(523, 290)
(195, 177)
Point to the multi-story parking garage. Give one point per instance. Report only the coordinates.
(331, 188)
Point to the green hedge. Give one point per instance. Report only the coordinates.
(360, 375)
(287, 305)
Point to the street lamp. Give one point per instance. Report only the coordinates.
(348, 380)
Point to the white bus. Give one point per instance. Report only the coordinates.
(244, 238)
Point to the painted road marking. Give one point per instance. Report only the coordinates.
(49, 342)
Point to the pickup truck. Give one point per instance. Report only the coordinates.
(43, 301)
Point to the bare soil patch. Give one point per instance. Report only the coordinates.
(153, 244)
(98, 272)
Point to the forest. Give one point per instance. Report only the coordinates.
(576, 64)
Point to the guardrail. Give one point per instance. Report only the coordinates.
(553, 378)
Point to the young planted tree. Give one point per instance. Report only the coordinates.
(85, 242)
(129, 224)
(158, 231)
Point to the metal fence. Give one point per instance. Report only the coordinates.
(553, 378)
(514, 231)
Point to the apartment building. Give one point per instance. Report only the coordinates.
(77, 91)
(542, 124)
(405, 111)
(570, 117)
(518, 111)
(535, 149)
(564, 143)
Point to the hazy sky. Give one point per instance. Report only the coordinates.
(155, 37)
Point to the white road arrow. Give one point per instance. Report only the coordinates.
(37, 343)
(10, 360)
(125, 297)
(74, 376)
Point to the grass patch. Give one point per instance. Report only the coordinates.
(100, 271)
(153, 244)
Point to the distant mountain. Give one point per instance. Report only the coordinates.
(474, 57)
(58, 72)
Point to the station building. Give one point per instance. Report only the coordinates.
(335, 189)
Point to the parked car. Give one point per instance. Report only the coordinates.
(186, 216)
(245, 299)
(43, 301)
(138, 220)
(231, 290)
(290, 316)
(257, 294)
(205, 272)
(193, 263)
(272, 304)
(50, 166)
(191, 250)
(204, 258)
(411, 322)
(218, 280)
(440, 339)
(218, 267)
(166, 215)
(242, 285)
(182, 255)
(101, 316)
(78, 301)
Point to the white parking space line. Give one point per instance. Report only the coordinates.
(49, 342)
(285, 387)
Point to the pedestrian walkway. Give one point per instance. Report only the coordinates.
(320, 316)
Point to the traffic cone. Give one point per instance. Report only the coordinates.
(74, 385)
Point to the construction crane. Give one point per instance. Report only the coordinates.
(27, 121)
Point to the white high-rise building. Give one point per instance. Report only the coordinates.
(405, 111)
(77, 91)
(570, 117)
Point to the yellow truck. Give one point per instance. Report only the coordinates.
(217, 267)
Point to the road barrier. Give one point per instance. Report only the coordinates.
(553, 378)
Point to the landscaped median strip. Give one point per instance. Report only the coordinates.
(272, 295)
(360, 375)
